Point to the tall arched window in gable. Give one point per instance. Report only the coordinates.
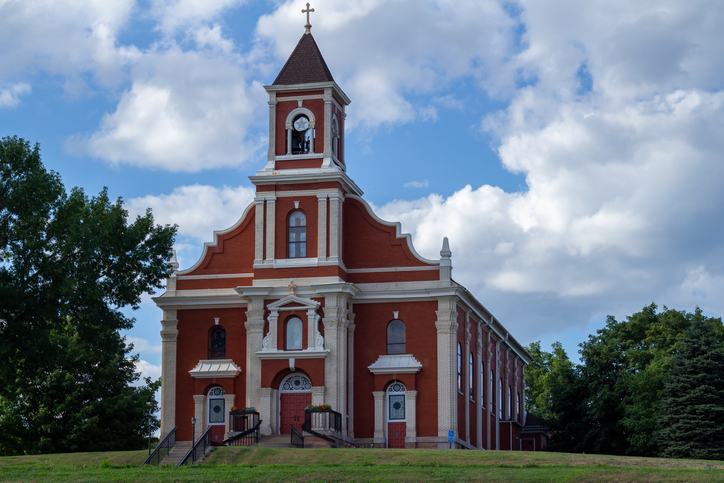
(217, 343)
(294, 334)
(396, 337)
(471, 376)
(460, 367)
(297, 235)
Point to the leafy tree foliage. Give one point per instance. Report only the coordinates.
(692, 415)
(610, 403)
(68, 263)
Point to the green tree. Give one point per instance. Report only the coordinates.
(68, 264)
(691, 418)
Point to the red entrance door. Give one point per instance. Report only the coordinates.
(396, 435)
(292, 410)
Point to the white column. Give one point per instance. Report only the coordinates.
(254, 336)
(322, 227)
(327, 154)
(289, 139)
(466, 381)
(446, 326)
(318, 393)
(273, 334)
(311, 328)
(350, 375)
(259, 231)
(335, 340)
(488, 383)
(379, 437)
(480, 377)
(270, 225)
(200, 414)
(228, 404)
(265, 410)
(271, 155)
(335, 227)
(169, 335)
(311, 137)
(411, 428)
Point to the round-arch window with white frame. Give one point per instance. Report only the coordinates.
(216, 404)
(396, 402)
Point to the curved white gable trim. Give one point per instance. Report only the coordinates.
(398, 228)
(214, 243)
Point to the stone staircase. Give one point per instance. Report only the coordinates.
(177, 452)
(275, 441)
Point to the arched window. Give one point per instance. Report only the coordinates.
(396, 402)
(500, 399)
(294, 334)
(396, 337)
(460, 368)
(482, 383)
(335, 137)
(217, 343)
(297, 235)
(471, 376)
(301, 135)
(217, 411)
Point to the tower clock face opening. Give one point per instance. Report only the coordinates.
(301, 135)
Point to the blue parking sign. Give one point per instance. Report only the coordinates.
(451, 436)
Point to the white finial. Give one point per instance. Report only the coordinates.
(173, 263)
(291, 287)
(308, 26)
(445, 252)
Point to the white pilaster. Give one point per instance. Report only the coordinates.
(271, 155)
(259, 230)
(322, 227)
(379, 437)
(335, 335)
(200, 414)
(350, 375)
(480, 377)
(466, 364)
(270, 225)
(335, 227)
(327, 154)
(265, 410)
(446, 326)
(169, 336)
(254, 337)
(411, 429)
(228, 404)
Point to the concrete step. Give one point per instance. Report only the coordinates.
(177, 452)
(275, 441)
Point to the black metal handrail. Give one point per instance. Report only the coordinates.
(198, 448)
(246, 438)
(297, 437)
(163, 448)
(243, 421)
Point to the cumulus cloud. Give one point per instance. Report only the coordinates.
(174, 15)
(417, 184)
(10, 95)
(186, 111)
(142, 346)
(198, 211)
(146, 369)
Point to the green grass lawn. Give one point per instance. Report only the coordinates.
(285, 465)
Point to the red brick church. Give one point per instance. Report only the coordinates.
(311, 299)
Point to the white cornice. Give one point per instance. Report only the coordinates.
(304, 354)
(395, 364)
(207, 369)
(202, 301)
(310, 86)
(306, 175)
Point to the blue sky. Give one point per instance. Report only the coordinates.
(571, 152)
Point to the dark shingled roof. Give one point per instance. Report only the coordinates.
(305, 65)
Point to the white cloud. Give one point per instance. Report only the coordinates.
(417, 184)
(185, 111)
(142, 346)
(197, 210)
(147, 369)
(10, 95)
(174, 15)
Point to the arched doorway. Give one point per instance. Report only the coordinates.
(396, 415)
(216, 414)
(295, 394)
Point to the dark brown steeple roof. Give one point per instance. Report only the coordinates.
(305, 65)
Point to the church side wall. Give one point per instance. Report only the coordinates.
(370, 339)
(462, 432)
(192, 346)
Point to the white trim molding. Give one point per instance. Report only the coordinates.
(395, 364)
(207, 369)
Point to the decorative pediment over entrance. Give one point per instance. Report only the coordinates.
(299, 304)
(315, 341)
(207, 369)
(395, 364)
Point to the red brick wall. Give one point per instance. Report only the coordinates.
(192, 346)
(371, 341)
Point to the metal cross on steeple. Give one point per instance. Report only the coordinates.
(308, 26)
